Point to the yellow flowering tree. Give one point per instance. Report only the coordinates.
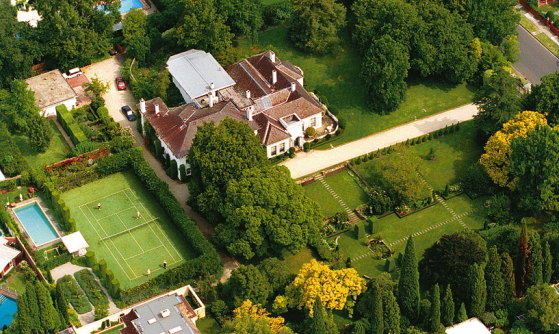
(337, 288)
(256, 311)
(496, 158)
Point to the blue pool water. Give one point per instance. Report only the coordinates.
(128, 5)
(8, 308)
(36, 224)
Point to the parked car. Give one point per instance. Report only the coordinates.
(120, 83)
(127, 111)
(113, 52)
(72, 73)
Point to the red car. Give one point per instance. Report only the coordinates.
(120, 84)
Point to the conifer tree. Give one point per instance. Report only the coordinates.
(61, 304)
(536, 260)
(447, 307)
(547, 266)
(461, 315)
(318, 323)
(522, 262)
(377, 321)
(408, 285)
(478, 290)
(360, 327)
(391, 313)
(31, 295)
(435, 316)
(507, 270)
(48, 315)
(494, 279)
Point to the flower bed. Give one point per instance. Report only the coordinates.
(74, 294)
(379, 249)
(91, 288)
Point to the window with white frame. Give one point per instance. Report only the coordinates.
(282, 148)
(273, 150)
(313, 122)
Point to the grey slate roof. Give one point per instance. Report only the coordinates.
(152, 310)
(194, 70)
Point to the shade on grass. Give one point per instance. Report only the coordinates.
(129, 255)
(336, 78)
(58, 149)
(329, 206)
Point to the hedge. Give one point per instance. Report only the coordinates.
(70, 125)
(91, 287)
(208, 262)
(67, 223)
(106, 277)
(74, 294)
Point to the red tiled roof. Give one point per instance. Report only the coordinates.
(128, 326)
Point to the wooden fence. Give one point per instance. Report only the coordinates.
(543, 20)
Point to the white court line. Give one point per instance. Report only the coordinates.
(147, 251)
(130, 233)
(97, 200)
(175, 261)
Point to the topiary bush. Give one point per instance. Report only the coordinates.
(310, 132)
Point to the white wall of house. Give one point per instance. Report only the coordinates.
(278, 148)
(309, 121)
(180, 161)
(51, 110)
(184, 94)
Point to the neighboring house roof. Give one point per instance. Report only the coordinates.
(74, 242)
(7, 253)
(162, 315)
(195, 70)
(470, 326)
(50, 88)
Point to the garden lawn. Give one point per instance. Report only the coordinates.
(527, 24)
(115, 330)
(131, 246)
(17, 282)
(58, 149)
(336, 78)
(329, 206)
(208, 326)
(548, 43)
(295, 261)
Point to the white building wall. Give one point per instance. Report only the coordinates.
(307, 121)
(51, 110)
(180, 161)
(269, 149)
(184, 94)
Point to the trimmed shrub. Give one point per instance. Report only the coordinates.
(310, 132)
(8, 185)
(90, 258)
(70, 125)
(371, 222)
(84, 147)
(74, 294)
(172, 171)
(182, 173)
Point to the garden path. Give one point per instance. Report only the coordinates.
(350, 214)
(316, 160)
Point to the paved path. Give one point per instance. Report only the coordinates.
(316, 160)
(353, 219)
(535, 60)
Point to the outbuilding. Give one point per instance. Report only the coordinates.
(52, 90)
(75, 244)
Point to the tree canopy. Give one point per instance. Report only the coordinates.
(247, 282)
(244, 17)
(493, 20)
(545, 97)
(134, 30)
(542, 303)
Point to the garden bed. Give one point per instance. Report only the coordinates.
(92, 289)
(74, 294)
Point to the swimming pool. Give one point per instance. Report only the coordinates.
(8, 308)
(128, 5)
(36, 223)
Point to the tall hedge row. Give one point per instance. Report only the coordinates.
(66, 221)
(70, 125)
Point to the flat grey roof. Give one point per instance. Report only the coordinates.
(194, 70)
(50, 88)
(152, 310)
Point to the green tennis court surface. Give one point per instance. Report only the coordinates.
(131, 244)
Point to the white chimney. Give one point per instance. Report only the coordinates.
(165, 313)
(142, 106)
(210, 100)
(156, 109)
(272, 56)
(293, 86)
(249, 113)
(274, 77)
(212, 86)
(248, 94)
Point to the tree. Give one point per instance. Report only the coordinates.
(248, 324)
(265, 212)
(542, 303)
(338, 289)
(391, 313)
(244, 17)
(507, 269)
(536, 259)
(533, 169)
(256, 311)
(39, 133)
(134, 31)
(478, 290)
(319, 322)
(385, 69)
(545, 97)
(202, 27)
(498, 100)
(449, 261)
(247, 282)
(360, 327)
(315, 24)
(96, 86)
(408, 285)
(48, 314)
(547, 265)
(461, 316)
(523, 269)
(277, 272)
(493, 20)
(435, 314)
(376, 319)
(494, 279)
(447, 307)
(496, 158)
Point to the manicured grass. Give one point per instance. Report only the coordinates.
(17, 282)
(548, 43)
(129, 253)
(208, 326)
(336, 78)
(529, 25)
(58, 149)
(295, 261)
(115, 330)
(329, 206)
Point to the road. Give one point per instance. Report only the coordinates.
(314, 161)
(535, 59)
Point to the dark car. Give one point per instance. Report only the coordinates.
(113, 52)
(128, 113)
(120, 83)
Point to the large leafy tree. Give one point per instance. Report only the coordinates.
(385, 69)
(265, 212)
(534, 167)
(494, 280)
(498, 100)
(244, 17)
(256, 311)
(315, 24)
(408, 285)
(134, 30)
(493, 20)
(247, 282)
(250, 324)
(545, 97)
(449, 261)
(542, 303)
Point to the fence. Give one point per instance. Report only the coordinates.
(30, 260)
(542, 20)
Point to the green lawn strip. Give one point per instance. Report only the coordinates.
(346, 186)
(115, 330)
(329, 206)
(548, 43)
(91, 288)
(58, 149)
(295, 261)
(128, 255)
(463, 203)
(529, 25)
(273, 2)
(208, 325)
(74, 294)
(17, 282)
(336, 78)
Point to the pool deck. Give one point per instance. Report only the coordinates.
(49, 215)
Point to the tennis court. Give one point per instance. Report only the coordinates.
(131, 244)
